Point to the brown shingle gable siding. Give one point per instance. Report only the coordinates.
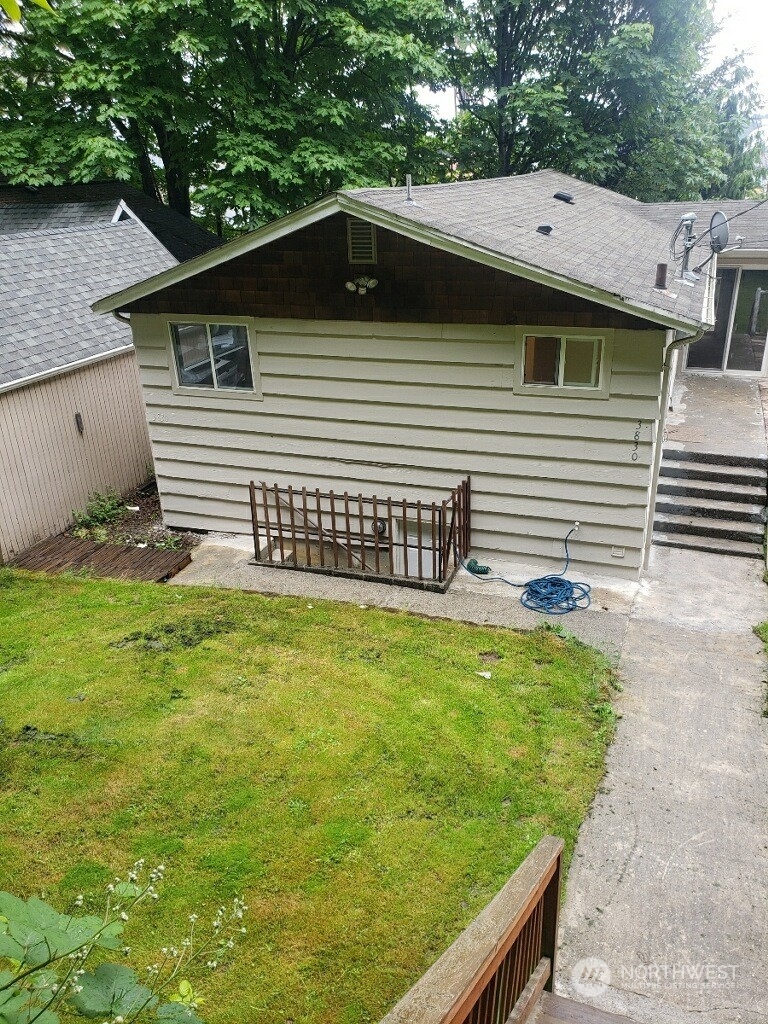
(302, 276)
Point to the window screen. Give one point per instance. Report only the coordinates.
(582, 363)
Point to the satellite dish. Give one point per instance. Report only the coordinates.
(718, 232)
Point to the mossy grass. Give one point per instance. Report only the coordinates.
(345, 769)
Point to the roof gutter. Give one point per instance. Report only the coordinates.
(59, 371)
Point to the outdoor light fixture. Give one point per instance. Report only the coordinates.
(361, 285)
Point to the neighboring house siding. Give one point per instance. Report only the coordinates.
(303, 276)
(407, 410)
(47, 468)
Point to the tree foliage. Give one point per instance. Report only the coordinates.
(615, 93)
(252, 106)
(246, 109)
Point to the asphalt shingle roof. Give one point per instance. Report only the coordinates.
(56, 206)
(604, 240)
(48, 280)
(748, 219)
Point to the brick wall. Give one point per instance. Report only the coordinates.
(303, 276)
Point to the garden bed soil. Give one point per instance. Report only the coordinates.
(140, 525)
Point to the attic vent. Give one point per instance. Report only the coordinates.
(361, 241)
(564, 197)
(544, 229)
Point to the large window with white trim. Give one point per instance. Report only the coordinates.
(214, 356)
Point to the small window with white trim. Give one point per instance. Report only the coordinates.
(361, 241)
(567, 362)
(213, 356)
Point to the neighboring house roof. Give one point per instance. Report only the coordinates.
(747, 216)
(25, 208)
(600, 247)
(48, 279)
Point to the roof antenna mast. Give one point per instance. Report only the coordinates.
(689, 240)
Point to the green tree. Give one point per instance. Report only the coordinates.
(12, 10)
(244, 107)
(615, 93)
(739, 123)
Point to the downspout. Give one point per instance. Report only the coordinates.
(666, 387)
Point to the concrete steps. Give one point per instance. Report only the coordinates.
(711, 502)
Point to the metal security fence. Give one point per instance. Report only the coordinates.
(412, 543)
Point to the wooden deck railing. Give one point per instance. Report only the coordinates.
(392, 540)
(498, 967)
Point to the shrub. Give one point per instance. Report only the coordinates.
(48, 954)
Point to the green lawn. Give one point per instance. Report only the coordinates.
(345, 769)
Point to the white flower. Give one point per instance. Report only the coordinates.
(123, 916)
(79, 900)
(193, 918)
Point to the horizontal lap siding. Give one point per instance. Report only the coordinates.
(47, 468)
(407, 411)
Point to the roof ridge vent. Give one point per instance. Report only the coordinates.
(565, 197)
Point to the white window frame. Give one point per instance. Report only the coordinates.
(560, 390)
(228, 394)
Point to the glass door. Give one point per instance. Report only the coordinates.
(750, 323)
(737, 343)
(709, 352)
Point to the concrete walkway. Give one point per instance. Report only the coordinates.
(225, 561)
(667, 897)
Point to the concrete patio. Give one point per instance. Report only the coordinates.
(715, 413)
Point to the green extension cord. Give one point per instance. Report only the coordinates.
(476, 569)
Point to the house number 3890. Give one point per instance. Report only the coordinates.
(636, 438)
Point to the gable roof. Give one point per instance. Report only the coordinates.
(24, 208)
(599, 248)
(48, 279)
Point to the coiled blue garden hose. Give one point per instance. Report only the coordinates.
(550, 595)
